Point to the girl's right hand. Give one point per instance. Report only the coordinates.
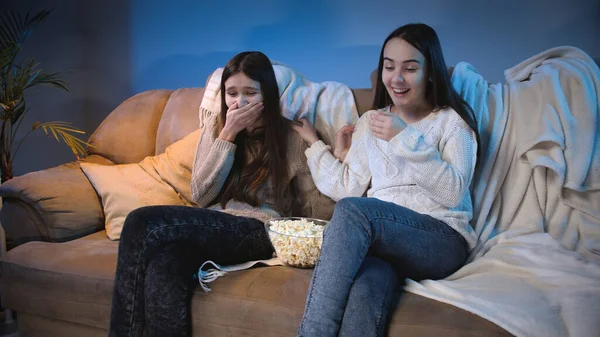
(385, 125)
(306, 131)
(239, 118)
(343, 140)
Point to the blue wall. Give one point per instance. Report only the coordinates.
(178, 43)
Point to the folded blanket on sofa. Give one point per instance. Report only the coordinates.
(327, 105)
(536, 270)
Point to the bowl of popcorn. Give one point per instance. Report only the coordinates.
(297, 241)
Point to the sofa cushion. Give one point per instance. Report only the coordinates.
(57, 204)
(179, 118)
(363, 99)
(73, 282)
(157, 180)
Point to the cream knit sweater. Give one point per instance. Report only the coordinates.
(213, 161)
(427, 167)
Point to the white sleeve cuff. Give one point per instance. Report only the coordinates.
(316, 148)
(223, 145)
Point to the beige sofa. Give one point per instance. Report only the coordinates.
(58, 274)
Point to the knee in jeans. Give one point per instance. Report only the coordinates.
(353, 206)
(348, 204)
(137, 221)
(346, 209)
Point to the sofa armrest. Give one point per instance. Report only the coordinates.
(56, 205)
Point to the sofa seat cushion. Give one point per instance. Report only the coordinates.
(70, 281)
(73, 282)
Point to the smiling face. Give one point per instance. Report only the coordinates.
(404, 75)
(243, 90)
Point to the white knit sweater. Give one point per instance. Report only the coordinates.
(427, 167)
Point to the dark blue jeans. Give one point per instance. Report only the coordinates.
(418, 246)
(160, 251)
(374, 292)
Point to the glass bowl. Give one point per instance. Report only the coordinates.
(296, 240)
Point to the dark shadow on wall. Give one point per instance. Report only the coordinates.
(87, 42)
(107, 58)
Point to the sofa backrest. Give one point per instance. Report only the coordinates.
(145, 124)
(179, 118)
(128, 133)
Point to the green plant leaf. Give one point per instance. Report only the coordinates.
(59, 131)
(18, 75)
(18, 111)
(15, 28)
(44, 78)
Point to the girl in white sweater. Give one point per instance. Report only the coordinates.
(414, 156)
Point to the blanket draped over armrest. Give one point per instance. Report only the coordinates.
(536, 269)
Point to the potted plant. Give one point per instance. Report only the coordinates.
(18, 76)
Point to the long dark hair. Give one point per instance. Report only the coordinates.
(439, 92)
(267, 161)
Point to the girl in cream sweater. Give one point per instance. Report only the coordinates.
(248, 167)
(414, 156)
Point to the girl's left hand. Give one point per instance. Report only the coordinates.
(306, 131)
(343, 141)
(385, 126)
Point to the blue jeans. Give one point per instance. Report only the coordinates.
(377, 281)
(418, 246)
(160, 251)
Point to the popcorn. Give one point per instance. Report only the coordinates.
(297, 242)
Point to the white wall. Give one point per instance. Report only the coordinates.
(111, 49)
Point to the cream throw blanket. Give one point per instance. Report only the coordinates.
(536, 270)
(327, 105)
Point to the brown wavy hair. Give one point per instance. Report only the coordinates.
(268, 159)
